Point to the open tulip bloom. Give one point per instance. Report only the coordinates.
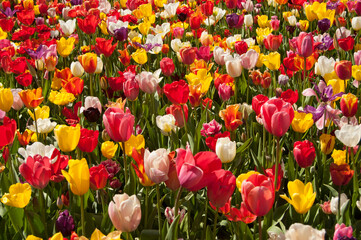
(173, 119)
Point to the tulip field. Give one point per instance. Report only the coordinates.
(169, 120)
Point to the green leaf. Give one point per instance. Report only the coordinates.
(16, 216)
(245, 145)
(149, 234)
(173, 230)
(333, 191)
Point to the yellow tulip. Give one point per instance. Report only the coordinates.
(243, 177)
(140, 56)
(304, 24)
(327, 143)
(144, 28)
(146, 9)
(6, 99)
(123, 3)
(310, 15)
(78, 176)
(356, 72)
(302, 122)
(322, 12)
(339, 156)
(19, 195)
(202, 77)
(65, 46)
(262, 33)
(136, 142)
(57, 236)
(67, 137)
(338, 86)
(40, 112)
(272, 61)
(302, 196)
(61, 98)
(3, 34)
(330, 76)
(98, 235)
(263, 21)
(109, 149)
(103, 27)
(32, 237)
(160, 3)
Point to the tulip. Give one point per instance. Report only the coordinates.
(32, 97)
(231, 117)
(327, 143)
(119, 125)
(19, 195)
(109, 149)
(78, 176)
(7, 131)
(68, 27)
(125, 212)
(222, 188)
(77, 69)
(36, 171)
(195, 20)
(356, 72)
(134, 142)
(334, 203)
(272, 61)
(67, 137)
(324, 65)
(341, 174)
(166, 124)
(233, 66)
(343, 69)
(196, 172)
(258, 194)
(248, 20)
(167, 66)
(140, 56)
(89, 24)
(98, 177)
(24, 138)
(302, 121)
(177, 92)
(173, 181)
(249, 59)
(6, 99)
(65, 46)
(188, 55)
(273, 42)
(226, 149)
(349, 135)
(299, 231)
(131, 89)
(219, 55)
(211, 128)
(17, 102)
(241, 47)
(257, 103)
(225, 92)
(349, 103)
(139, 168)
(341, 231)
(65, 223)
(156, 165)
(277, 116)
(105, 47)
(302, 196)
(304, 153)
(88, 62)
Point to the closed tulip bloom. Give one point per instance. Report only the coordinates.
(349, 135)
(343, 69)
(134, 142)
(339, 156)
(148, 82)
(356, 23)
(166, 124)
(272, 61)
(65, 223)
(109, 149)
(226, 149)
(140, 56)
(257, 103)
(233, 66)
(65, 46)
(299, 231)
(334, 203)
(273, 42)
(68, 27)
(232, 117)
(7, 132)
(131, 89)
(67, 137)
(304, 153)
(19, 195)
(302, 196)
(77, 69)
(221, 189)
(327, 143)
(88, 140)
(167, 66)
(277, 116)
(6, 99)
(17, 102)
(348, 104)
(78, 176)
(88, 62)
(258, 194)
(89, 24)
(119, 125)
(356, 72)
(248, 20)
(219, 54)
(225, 91)
(302, 122)
(32, 97)
(305, 44)
(139, 168)
(105, 47)
(98, 177)
(341, 174)
(188, 55)
(249, 59)
(177, 92)
(156, 165)
(125, 212)
(36, 171)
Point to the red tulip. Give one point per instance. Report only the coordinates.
(196, 172)
(173, 181)
(98, 177)
(131, 89)
(89, 24)
(167, 66)
(88, 140)
(177, 92)
(7, 132)
(24, 79)
(176, 111)
(207, 8)
(195, 20)
(242, 214)
(258, 194)
(257, 103)
(343, 69)
(231, 4)
(349, 104)
(26, 17)
(221, 188)
(105, 47)
(346, 44)
(289, 96)
(74, 85)
(304, 153)
(273, 42)
(188, 54)
(119, 125)
(36, 171)
(277, 116)
(61, 162)
(240, 47)
(341, 174)
(270, 172)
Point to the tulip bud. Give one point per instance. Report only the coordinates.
(226, 149)
(304, 153)
(65, 223)
(349, 104)
(248, 20)
(105, 135)
(167, 66)
(225, 92)
(76, 69)
(343, 69)
(59, 203)
(327, 143)
(99, 67)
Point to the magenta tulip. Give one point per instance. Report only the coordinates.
(119, 125)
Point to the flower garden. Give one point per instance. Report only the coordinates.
(160, 119)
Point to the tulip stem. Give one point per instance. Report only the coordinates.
(43, 209)
(205, 218)
(355, 181)
(339, 204)
(260, 227)
(36, 126)
(215, 224)
(91, 84)
(277, 162)
(125, 165)
(158, 209)
(176, 205)
(146, 208)
(184, 119)
(82, 215)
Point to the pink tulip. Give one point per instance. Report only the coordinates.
(36, 171)
(125, 212)
(258, 194)
(357, 56)
(195, 172)
(277, 116)
(305, 44)
(156, 165)
(249, 59)
(119, 125)
(221, 188)
(342, 231)
(225, 92)
(131, 89)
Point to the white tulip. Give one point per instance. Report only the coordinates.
(334, 203)
(156, 165)
(166, 124)
(324, 65)
(44, 126)
(298, 231)
(226, 149)
(349, 135)
(68, 27)
(76, 69)
(248, 20)
(356, 23)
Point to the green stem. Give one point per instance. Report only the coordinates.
(36, 126)
(184, 120)
(277, 162)
(146, 207)
(339, 204)
(125, 164)
(82, 215)
(43, 209)
(176, 205)
(215, 225)
(158, 209)
(260, 227)
(205, 218)
(91, 85)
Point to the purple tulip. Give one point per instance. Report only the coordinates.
(65, 223)
(121, 34)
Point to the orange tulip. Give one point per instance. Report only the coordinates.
(24, 138)
(124, 57)
(88, 61)
(231, 117)
(32, 97)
